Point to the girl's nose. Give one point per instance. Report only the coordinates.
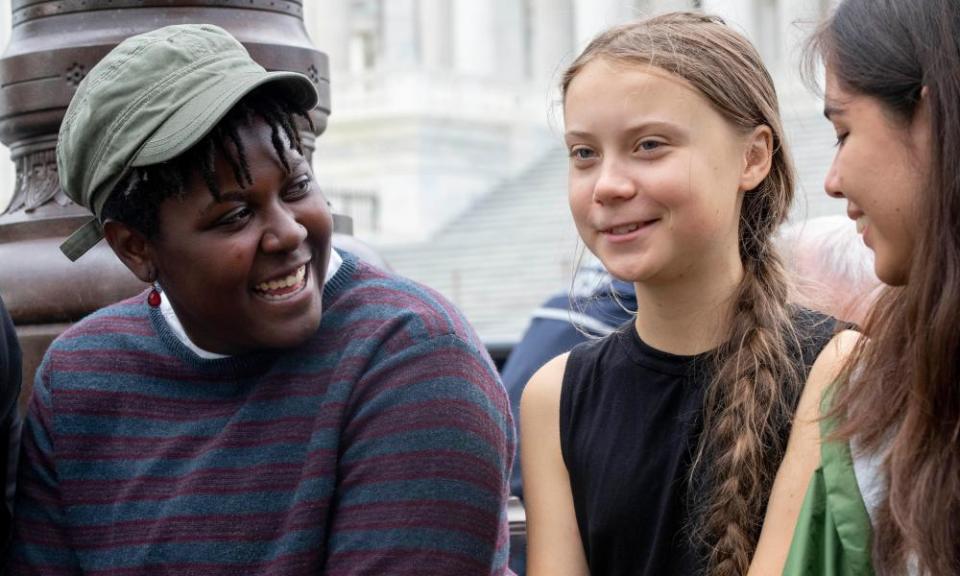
(613, 184)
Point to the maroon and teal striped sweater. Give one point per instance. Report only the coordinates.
(383, 445)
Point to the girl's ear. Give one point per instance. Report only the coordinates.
(133, 249)
(757, 158)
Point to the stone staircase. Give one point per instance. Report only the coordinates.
(504, 255)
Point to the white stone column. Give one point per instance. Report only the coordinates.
(474, 50)
(401, 36)
(436, 34)
(326, 21)
(650, 7)
(553, 43)
(799, 20)
(593, 16)
(509, 49)
(741, 14)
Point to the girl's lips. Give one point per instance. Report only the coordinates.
(627, 232)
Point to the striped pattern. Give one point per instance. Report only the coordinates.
(381, 446)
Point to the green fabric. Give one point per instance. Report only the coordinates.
(833, 534)
(149, 100)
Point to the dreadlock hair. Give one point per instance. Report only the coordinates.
(136, 199)
(899, 393)
(752, 397)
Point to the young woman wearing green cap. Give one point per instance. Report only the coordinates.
(271, 406)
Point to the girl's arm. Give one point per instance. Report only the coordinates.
(801, 460)
(553, 539)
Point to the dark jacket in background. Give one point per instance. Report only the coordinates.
(9, 423)
(595, 306)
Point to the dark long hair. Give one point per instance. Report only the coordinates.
(901, 390)
(752, 397)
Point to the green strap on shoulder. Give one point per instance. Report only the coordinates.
(833, 534)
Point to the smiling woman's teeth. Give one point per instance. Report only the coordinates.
(292, 280)
(624, 229)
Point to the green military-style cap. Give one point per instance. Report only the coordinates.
(149, 100)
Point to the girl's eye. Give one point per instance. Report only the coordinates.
(840, 138)
(649, 145)
(582, 153)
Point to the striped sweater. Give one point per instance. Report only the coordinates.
(383, 445)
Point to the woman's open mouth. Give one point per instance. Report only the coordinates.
(627, 232)
(284, 287)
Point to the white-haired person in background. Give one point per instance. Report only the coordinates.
(831, 267)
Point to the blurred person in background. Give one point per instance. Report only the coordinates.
(10, 376)
(830, 267)
(594, 306)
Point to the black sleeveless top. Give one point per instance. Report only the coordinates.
(629, 424)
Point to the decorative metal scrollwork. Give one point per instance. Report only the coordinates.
(75, 74)
(37, 183)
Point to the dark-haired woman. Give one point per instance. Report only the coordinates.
(886, 495)
(270, 406)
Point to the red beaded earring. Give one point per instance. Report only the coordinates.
(153, 298)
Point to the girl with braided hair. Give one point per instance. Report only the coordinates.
(654, 450)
